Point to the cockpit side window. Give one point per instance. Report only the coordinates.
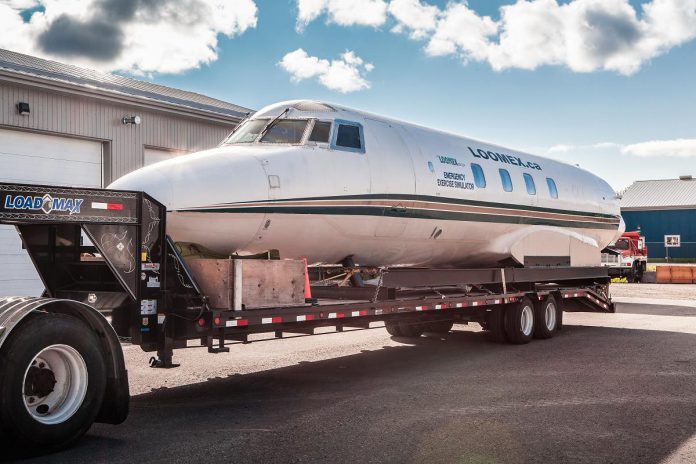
(247, 132)
(348, 136)
(321, 132)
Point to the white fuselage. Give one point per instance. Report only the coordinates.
(393, 194)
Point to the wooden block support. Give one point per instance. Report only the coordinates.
(235, 284)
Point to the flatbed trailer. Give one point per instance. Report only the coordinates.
(97, 251)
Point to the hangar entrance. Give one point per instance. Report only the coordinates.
(31, 158)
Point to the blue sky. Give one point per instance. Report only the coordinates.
(624, 115)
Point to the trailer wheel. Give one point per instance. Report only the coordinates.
(53, 382)
(439, 327)
(393, 328)
(495, 324)
(519, 322)
(411, 329)
(546, 318)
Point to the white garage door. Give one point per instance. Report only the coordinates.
(39, 159)
(154, 155)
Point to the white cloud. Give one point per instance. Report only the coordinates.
(683, 148)
(139, 37)
(20, 4)
(623, 164)
(344, 74)
(342, 12)
(561, 148)
(582, 35)
(414, 16)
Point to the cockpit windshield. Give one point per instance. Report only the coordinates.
(286, 131)
(281, 131)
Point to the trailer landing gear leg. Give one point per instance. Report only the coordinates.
(164, 356)
(221, 348)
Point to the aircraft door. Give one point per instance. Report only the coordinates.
(392, 178)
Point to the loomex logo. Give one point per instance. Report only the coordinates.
(449, 160)
(47, 203)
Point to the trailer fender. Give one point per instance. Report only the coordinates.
(14, 310)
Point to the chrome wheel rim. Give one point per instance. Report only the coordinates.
(550, 316)
(527, 320)
(55, 384)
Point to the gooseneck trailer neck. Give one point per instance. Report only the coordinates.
(99, 250)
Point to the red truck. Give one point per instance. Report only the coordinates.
(627, 257)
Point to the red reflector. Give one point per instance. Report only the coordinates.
(277, 320)
(340, 315)
(201, 322)
(115, 206)
(242, 322)
(217, 321)
(309, 317)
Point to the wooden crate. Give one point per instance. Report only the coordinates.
(234, 284)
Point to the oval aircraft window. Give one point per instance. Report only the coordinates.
(479, 176)
(553, 191)
(505, 178)
(529, 182)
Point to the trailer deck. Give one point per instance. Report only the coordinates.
(102, 250)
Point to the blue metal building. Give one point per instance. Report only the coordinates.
(663, 207)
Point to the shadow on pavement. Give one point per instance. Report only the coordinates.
(591, 394)
(656, 310)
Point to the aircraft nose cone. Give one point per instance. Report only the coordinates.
(153, 180)
(206, 195)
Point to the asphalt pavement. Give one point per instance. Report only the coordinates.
(610, 388)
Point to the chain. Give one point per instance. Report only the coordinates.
(382, 272)
(177, 268)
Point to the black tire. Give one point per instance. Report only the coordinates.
(559, 321)
(411, 329)
(393, 328)
(28, 340)
(518, 327)
(495, 324)
(439, 327)
(545, 318)
(640, 271)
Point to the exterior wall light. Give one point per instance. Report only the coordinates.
(135, 120)
(23, 108)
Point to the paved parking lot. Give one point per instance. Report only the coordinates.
(611, 388)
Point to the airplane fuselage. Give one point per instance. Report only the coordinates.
(327, 182)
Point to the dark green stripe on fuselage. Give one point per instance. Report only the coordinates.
(434, 199)
(408, 214)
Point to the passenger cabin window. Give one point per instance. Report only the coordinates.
(349, 137)
(505, 178)
(553, 191)
(529, 182)
(479, 176)
(321, 132)
(285, 131)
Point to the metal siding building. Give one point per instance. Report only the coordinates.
(663, 207)
(74, 102)
(74, 134)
